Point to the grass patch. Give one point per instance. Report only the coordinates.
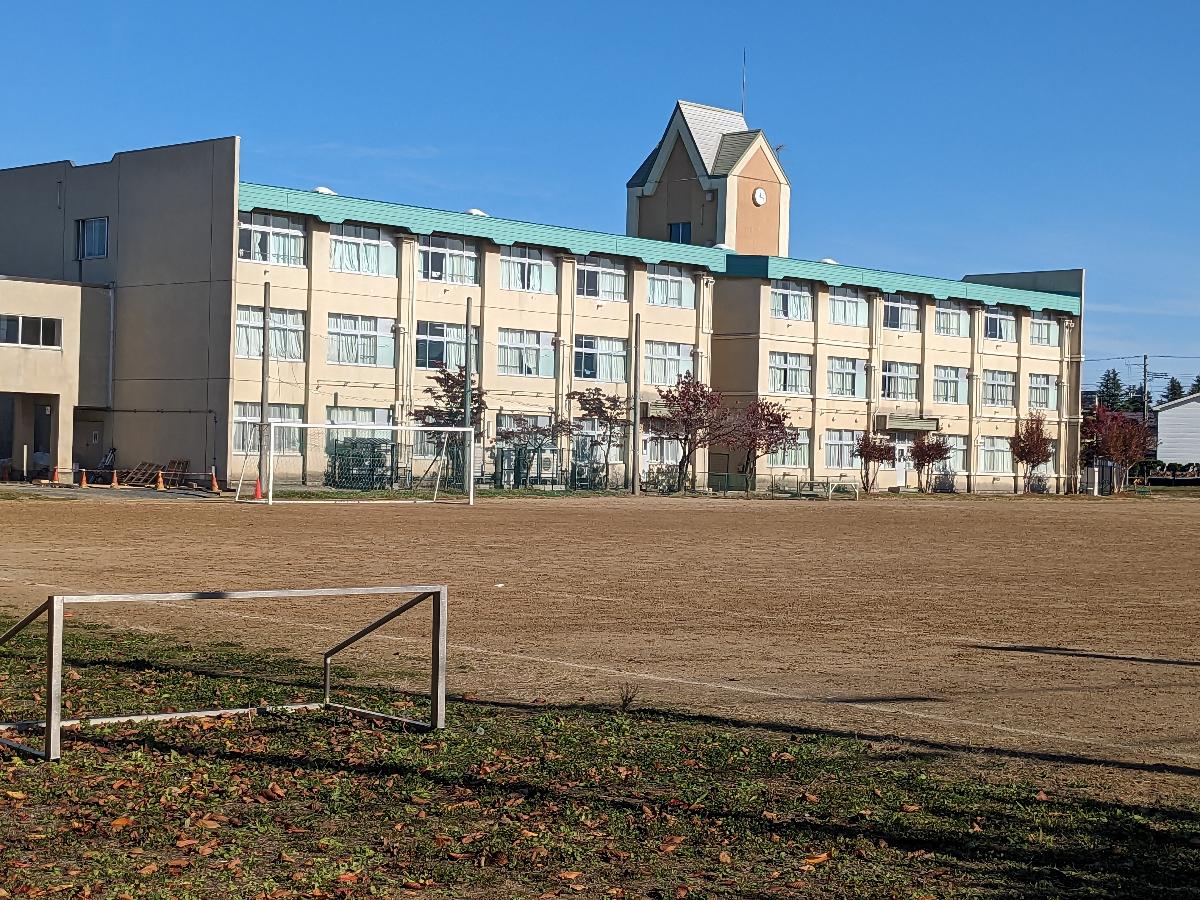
(516, 802)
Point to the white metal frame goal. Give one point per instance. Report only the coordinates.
(53, 724)
(389, 464)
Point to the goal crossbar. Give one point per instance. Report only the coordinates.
(51, 727)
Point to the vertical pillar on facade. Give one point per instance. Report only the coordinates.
(22, 433)
(1064, 468)
(974, 394)
(62, 436)
(637, 292)
(874, 356)
(1022, 387)
(820, 378)
(565, 351)
(928, 316)
(407, 259)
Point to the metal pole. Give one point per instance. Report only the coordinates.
(264, 407)
(637, 405)
(468, 439)
(1146, 390)
(54, 626)
(437, 682)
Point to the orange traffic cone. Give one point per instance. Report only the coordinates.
(158, 482)
(258, 494)
(114, 480)
(54, 475)
(213, 486)
(83, 478)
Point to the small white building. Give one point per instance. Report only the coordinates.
(1179, 430)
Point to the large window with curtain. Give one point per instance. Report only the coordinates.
(600, 358)
(901, 312)
(847, 306)
(998, 387)
(357, 415)
(1043, 392)
(790, 373)
(670, 286)
(951, 319)
(523, 352)
(600, 277)
(1043, 330)
(661, 451)
(999, 324)
(271, 238)
(666, 362)
(995, 455)
(588, 442)
(361, 249)
(847, 377)
(795, 454)
(949, 384)
(839, 448)
(247, 427)
(287, 333)
(449, 259)
(528, 269)
(791, 300)
(900, 380)
(361, 340)
(442, 345)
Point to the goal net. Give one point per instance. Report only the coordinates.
(317, 462)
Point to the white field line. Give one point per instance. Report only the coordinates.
(873, 708)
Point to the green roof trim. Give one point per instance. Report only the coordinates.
(335, 209)
(894, 282)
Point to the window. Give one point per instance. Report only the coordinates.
(31, 331)
(508, 421)
(670, 286)
(1047, 468)
(589, 441)
(449, 259)
(903, 441)
(287, 333)
(949, 384)
(361, 340)
(271, 238)
(998, 388)
(901, 313)
(790, 373)
(247, 419)
(791, 300)
(900, 380)
(839, 448)
(600, 277)
(442, 345)
(363, 249)
(521, 352)
(847, 377)
(794, 454)
(665, 362)
(995, 456)
(528, 269)
(999, 324)
(957, 460)
(662, 451)
(847, 306)
(1043, 330)
(679, 232)
(91, 238)
(951, 319)
(599, 358)
(357, 415)
(1043, 392)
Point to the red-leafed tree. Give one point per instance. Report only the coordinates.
(928, 449)
(694, 418)
(445, 406)
(1031, 446)
(529, 440)
(612, 415)
(873, 450)
(1120, 438)
(757, 430)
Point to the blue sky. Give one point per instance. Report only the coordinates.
(937, 138)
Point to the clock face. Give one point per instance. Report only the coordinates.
(760, 196)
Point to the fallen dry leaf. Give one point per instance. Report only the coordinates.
(816, 859)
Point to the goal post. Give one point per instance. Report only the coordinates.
(309, 462)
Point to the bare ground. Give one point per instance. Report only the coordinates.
(1059, 634)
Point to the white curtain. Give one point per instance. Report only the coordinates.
(610, 359)
(287, 334)
(248, 336)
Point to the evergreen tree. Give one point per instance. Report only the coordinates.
(1111, 393)
(1195, 388)
(1131, 401)
(1173, 392)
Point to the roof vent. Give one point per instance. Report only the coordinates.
(723, 247)
(475, 212)
(829, 261)
(321, 189)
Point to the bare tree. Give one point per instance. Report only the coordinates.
(694, 418)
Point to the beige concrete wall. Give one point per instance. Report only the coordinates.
(757, 228)
(679, 197)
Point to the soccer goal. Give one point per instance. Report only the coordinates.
(357, 463)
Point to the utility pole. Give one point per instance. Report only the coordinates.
(468, 439)
(263, 419)
(1145, 390)
(637, 404)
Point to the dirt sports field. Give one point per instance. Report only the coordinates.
(1043, 630)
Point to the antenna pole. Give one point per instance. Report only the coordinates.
(743, 82)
